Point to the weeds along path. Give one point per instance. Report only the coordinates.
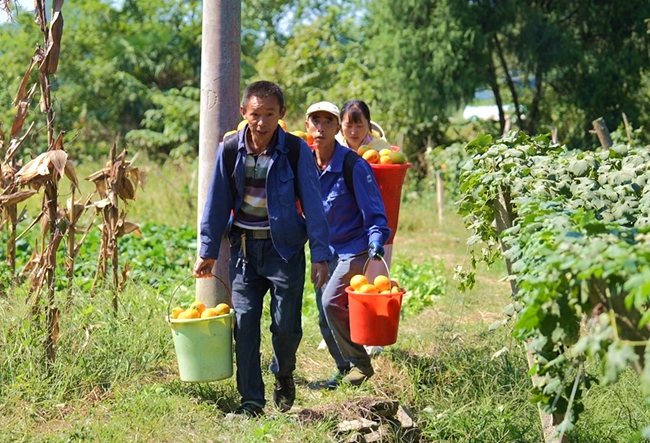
(461, 382)
(117, 378)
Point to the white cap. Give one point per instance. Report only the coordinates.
(328, 107)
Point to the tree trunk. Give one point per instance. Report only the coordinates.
(504, 215)
(534, 107)
(494, 85)
(511, 84)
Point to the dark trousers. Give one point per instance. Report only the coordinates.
(265, 271)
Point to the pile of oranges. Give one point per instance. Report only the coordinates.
(198, 310)
(383, 157)
(380, 285)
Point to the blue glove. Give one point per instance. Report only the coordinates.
(375, 250)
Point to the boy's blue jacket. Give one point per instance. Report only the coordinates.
(289, 229)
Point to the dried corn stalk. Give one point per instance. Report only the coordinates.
(118, 180)
(11, 196)
(44, 171)
(5, 6)
(72, 213)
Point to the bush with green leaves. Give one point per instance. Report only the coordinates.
(574, 229)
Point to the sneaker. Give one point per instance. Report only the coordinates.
(374, 350)
(284, 393)
(335, 381)
(356, 376)
(247, 410)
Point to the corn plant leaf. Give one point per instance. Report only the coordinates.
(101, 188)
(139, 177)
(51, 61)
(126, 190)
(31, 169)
(128, 228)
(41, 16)
(71, 174)
(74, 209)
(101, 204)
(16, 197)
(98, 175)
(59, 159)
(39, 169)
(22, 94)
(21, 113)
(15, 144)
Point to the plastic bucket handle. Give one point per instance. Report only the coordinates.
(365, 266)
(169, 304)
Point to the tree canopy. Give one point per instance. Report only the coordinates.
(132, 70)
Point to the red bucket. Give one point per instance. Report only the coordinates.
(390, 179)
(374, 318)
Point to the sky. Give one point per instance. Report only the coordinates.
(26, 7)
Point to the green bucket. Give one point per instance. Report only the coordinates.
(204, 347)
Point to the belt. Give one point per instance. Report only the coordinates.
(257, 234)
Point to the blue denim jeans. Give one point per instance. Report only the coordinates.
(265, 271)
(334, 316)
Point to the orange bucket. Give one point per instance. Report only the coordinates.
(374, 318)
(390, 179)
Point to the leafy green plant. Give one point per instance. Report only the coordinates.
(447, 161)
(424, 284)
(573, 227)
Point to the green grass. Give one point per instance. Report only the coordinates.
(115, 378)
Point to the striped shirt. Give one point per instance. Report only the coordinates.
(253, 213)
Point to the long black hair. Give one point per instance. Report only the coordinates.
(356, 109)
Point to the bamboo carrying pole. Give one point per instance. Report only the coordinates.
(220, 70)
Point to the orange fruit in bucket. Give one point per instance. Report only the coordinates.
(209, 312)
(358, 280)
(190, 313)
(222, 309)
(199, 306)
(368, 289)
(382, 283)
(362, 149)
(176, 311)
(371, 156)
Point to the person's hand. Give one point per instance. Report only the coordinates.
(319, 274)
(375, 250)
(203, 267)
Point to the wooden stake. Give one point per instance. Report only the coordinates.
(628, 130)
(603, 133)
(440, 191)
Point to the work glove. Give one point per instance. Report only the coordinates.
(375, 250)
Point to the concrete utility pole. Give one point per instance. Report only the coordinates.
(220, 72)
